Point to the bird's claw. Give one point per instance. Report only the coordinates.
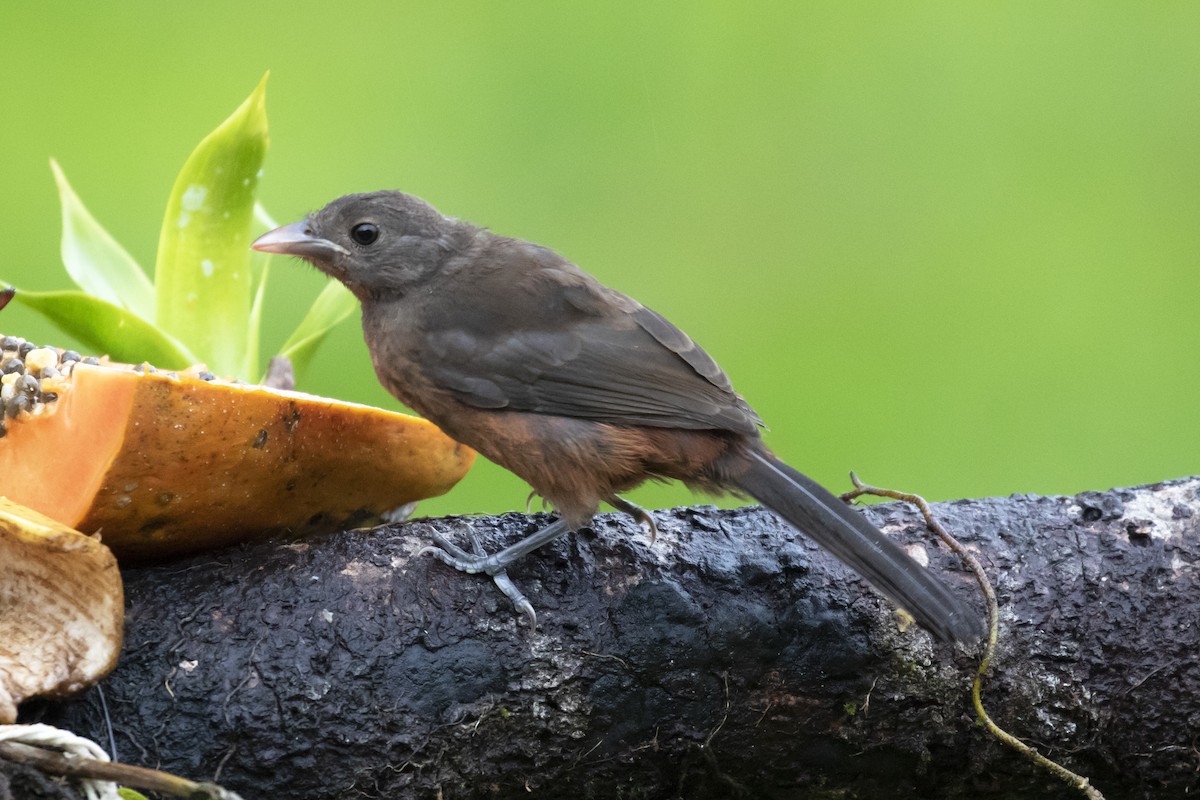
(510, 590)
(639, 514)
(450, 553)
(529, 502)
(472, 563)
(479, 561)
(644, 518)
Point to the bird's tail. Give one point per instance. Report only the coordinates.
(860, 545)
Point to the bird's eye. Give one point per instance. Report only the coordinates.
(365, 233)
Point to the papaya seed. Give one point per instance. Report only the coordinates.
(37, 360)
(28, 385)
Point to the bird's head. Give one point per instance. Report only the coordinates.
(377, 244)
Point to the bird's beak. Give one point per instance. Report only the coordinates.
(297, 240)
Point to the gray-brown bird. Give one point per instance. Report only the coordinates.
(578, 389)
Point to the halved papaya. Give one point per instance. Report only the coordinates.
(165, 463)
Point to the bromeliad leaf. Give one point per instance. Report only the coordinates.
(206, 302)
(332, 305)
(94, 259)
(261, 221)
(203, 278)
(250, 361)
(103, 327)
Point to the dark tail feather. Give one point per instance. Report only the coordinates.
(849, 536)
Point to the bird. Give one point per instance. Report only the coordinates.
(578, 389)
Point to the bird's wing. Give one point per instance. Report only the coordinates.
(549, 339)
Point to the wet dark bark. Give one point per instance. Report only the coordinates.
(21, 782)
(727, 658)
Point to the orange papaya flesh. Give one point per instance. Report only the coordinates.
(162, 464)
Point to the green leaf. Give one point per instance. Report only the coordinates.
(94, 259)
(125, 793)
(333, 304)
(105, 328)
(203, 276)
(261, 222)
(250, 364)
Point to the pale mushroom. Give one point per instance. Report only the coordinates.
(62, 608)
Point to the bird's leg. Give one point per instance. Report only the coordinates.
(496, 564)
(639, 514)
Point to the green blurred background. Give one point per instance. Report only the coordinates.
(953, 246)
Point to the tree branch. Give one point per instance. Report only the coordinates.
(728, 657)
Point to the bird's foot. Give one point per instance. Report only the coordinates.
(639, 514)
(479, 561)
(496, 564)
